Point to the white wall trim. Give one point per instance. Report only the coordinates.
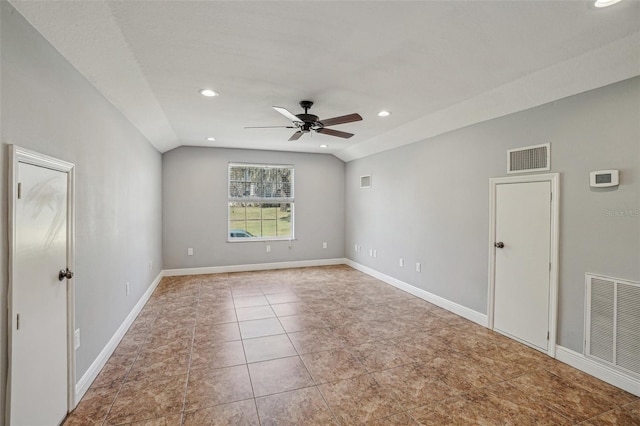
(601, 371)
(456, 308)
(253, 267)
(92, 372)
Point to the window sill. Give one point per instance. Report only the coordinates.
(259, 240)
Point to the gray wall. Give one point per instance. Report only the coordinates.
(47, 106)
(194, 203)
(429, 201)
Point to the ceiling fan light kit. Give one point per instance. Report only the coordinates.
(305, 122)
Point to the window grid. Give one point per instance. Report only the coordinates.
(261, 202)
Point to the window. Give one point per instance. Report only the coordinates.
(260, 202)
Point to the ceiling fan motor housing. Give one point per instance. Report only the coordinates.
(308, 119)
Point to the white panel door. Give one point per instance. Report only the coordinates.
(522, 278)
(39, 299)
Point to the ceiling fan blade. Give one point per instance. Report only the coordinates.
(295, 136)
(270, 127)
(337, 133)
(341, 120)
(286, 113)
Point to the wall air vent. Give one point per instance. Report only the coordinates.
(535, 158)
(612, 323)
(365, 181)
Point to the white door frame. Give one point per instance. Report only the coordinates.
(554, 179)
(22, 155)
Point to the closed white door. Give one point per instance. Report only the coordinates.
(38, 375)
(522, 261)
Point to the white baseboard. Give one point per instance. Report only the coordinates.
(601, 371)
(463, 311)
(253, 267)
(85, 381)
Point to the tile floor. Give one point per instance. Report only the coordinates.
(329, 345)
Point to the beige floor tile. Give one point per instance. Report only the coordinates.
(266, 348)
(216, 333)
(208, 387)
(144, 400)
(380, 355)
(254, 313)
(307, 321)
(248, 301)
(241, 413)
(331, 366)
(94, 406)
(279, 375)
(315, 340)
(218, 355)
(285, 309)
(414, 386)
(302, 406)
(359, 400)
(260, 328)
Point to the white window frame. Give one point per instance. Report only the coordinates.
(270, 200)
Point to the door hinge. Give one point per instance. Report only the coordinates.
(18, 322)
(19, 190)
(549, 265)
(547, 335)
(551, 195)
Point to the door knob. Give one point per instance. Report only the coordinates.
(65, 273)
(499, 244)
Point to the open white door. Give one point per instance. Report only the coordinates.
(39, 343)
(522, 286)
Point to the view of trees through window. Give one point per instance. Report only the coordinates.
(261, 201)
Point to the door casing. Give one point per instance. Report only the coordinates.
(22, 155)
(554, 179)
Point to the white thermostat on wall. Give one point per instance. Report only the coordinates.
(603, 178)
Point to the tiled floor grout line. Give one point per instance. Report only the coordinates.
(186, 384)
(124, 379)
(246, 362)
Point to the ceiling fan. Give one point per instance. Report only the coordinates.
(306, 122)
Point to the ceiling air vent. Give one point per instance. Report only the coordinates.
(529, 159)
(365, 181)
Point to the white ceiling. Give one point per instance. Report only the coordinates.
(437, 65)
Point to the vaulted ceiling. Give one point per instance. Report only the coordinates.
(436, 65)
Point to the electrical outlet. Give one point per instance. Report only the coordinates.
(355, 248)
(375, 253)
(418, 267)
(324, 244)
(268, 249)
(126, 289)
(370, 252)
(190, 251)
(76, 339)
(401, 262)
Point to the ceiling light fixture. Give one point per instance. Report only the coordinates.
(210, 139)
(209, 93)
(384, 114)
(324, 146)
(605, 3)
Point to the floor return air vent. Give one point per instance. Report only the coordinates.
(612, 323)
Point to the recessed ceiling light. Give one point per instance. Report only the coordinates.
(209, 93)
(324, 146)
(605, 3)
(210, 139)
(384, 114)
